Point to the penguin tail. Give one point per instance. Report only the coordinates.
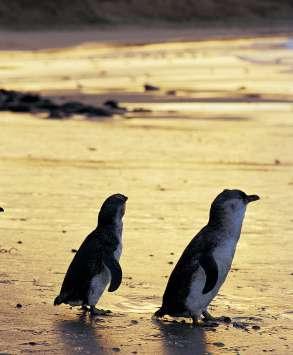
(58, 300)
(160, 313)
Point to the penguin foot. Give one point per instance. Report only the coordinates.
(207, 316)
(159, 313)
(84, 308)
(195, 322)
(99, 312)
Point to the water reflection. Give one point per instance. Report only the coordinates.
(80, 336)
(223, 107)
(180, 338)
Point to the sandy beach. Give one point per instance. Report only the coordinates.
(222, 118)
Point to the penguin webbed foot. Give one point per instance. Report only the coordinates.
(84, 308)
(207, 317)
(99, 312)
(195, 322)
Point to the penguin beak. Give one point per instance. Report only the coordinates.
(1, 209)
(251, 198)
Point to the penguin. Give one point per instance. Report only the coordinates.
(96, 263)
(206, 261)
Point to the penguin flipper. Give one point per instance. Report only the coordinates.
(116, 272)
(208, 263)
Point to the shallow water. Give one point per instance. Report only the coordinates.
(55, 174)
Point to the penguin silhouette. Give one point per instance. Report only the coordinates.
(206, 261)
(96, 263)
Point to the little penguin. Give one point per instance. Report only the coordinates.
(96, 263)
(206, 261)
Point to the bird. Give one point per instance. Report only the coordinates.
(206, 261)
(96, 262)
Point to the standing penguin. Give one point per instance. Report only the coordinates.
(206, 261)
(96, 263)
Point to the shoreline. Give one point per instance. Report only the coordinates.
(30, 39)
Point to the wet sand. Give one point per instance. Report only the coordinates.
(229, 125)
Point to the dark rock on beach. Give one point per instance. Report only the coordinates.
(149, 87)
(16, 101)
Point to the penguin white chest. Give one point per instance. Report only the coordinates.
(223, 255)
(101, 280)
(196, 301)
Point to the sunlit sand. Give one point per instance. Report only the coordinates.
(228, 125)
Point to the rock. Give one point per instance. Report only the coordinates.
(141, 110)
(171, 92)
(113, 104)
(92, 111)
(253, 96)
(19, 305)
(55, 114)
(16, 101)
(73, 107)
(73, 250)
(18, 107)
(114, 107)
(218, 343)
(29, 98)
(116, 350)
(256, 327)
(45, 104)
(148, 87)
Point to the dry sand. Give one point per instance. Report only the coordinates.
(228, 126)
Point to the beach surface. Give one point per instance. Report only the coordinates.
(222, 118)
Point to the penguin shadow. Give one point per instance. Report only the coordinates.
(81, 334)
(181, 338)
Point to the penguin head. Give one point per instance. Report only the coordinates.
(1, 209)
(112, 209)
(230, 206)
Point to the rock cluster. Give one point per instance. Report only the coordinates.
(16, 101)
